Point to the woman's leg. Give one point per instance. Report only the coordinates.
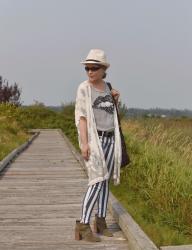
(89, 201)
(95, 190)
(108, 149)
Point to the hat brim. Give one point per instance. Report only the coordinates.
(93, 62)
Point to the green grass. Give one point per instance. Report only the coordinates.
(12, 134)
(156, 189)
(153, 222)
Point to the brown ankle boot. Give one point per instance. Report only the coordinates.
(83, 231)
(100, 226)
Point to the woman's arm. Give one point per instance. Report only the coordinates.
(85, 150)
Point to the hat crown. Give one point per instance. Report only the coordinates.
(97, 54)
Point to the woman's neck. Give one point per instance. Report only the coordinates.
(100, 84)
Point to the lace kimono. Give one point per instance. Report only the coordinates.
(96, 166)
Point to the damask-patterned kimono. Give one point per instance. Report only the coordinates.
(95, 165)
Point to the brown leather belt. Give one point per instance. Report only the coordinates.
(105, 133)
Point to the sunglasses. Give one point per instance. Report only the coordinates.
(91, 68)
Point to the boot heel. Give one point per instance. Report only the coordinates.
(96, 229)
(78, 235)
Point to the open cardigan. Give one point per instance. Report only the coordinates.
(96, 165)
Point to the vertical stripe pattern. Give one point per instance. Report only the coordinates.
(99, 191)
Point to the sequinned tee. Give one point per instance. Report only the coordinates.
(103, 108)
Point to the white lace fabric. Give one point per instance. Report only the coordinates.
(96, 166)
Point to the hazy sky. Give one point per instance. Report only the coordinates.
(148, 44)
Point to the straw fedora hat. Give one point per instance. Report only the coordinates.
(96, 56)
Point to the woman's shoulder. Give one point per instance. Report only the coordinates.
(82, 88)
(83, 84)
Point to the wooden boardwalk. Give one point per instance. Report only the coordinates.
(40, 199)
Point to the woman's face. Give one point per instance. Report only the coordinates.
(95, 72)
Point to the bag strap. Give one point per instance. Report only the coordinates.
(109, 85)
(118, 117)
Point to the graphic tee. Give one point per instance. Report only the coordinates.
(103, 108)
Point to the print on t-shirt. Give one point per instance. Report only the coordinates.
(104, 103)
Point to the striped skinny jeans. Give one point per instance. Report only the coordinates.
(99, 191)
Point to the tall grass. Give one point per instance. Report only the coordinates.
(159, 178)
(172, 133)
(12, 134)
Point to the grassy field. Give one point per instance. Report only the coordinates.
(156, 188)
(12, 134)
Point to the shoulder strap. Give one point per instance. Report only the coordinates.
(118, 117)
(109, 85)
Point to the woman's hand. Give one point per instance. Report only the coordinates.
(115, 95)
(85, 151)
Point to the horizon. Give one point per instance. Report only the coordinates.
(65, 104)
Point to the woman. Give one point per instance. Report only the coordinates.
(99, 141)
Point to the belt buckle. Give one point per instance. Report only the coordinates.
(107, 133)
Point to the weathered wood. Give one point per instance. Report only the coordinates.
(41, 193)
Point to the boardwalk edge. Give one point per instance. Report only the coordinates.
(11, 156)
(76, 154)
(137, 239)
